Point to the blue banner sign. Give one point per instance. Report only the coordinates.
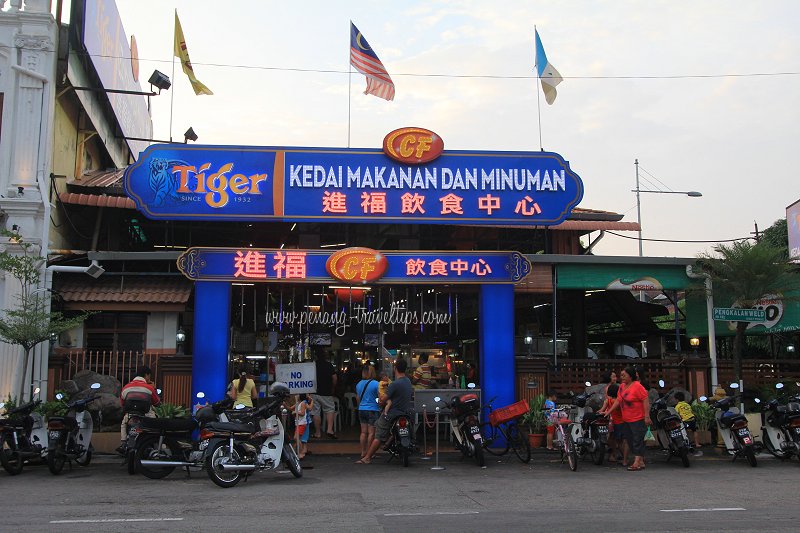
(191, 182)
(352, 266)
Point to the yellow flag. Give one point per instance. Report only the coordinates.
(183, 53)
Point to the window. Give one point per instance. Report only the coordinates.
(116, 331)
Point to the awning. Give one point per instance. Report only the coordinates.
(97, 200)
(134, 292)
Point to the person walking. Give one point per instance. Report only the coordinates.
(368, 408)
(243, 389)
(323, 399)
(634, 403)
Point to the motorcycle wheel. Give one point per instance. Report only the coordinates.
(292, 461)
(55, 462)
(148, 448)
(11, 459)
(130, 462)
(477, 451)
(86, 458)
(599, 453)
(218, 456)
(520, 445)
(572, 453)
(684, 452)
(751, 456)
(490, 436)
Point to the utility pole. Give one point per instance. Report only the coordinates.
(756, 233)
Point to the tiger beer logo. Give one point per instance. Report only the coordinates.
(413, 146)
(357, 265)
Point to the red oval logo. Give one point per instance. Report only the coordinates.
(413, 146)
(357, 265)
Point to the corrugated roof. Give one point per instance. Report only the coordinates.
(595, 225)
(100, 178)
(123, 289)
(97, 200)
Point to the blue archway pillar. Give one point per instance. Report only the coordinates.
(212, 304)
(496, 343)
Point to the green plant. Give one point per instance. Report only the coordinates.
(171, 410)
(703, 415)
(536, 418)
(54, 408)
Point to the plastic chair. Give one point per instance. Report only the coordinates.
(337, 415)
(351, 407)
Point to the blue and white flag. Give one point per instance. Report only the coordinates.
(548, 75)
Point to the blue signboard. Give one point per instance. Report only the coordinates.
(352, 266)
(191, 182)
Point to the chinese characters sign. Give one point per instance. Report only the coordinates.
(310, 266)
(177, 181)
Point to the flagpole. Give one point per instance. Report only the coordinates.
(538, 82)
(172, 92)
(349, 88)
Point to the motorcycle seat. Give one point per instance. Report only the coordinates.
(169, 424)
(728, 421)
(233, 427)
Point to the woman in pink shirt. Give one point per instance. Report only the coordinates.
(633, 402)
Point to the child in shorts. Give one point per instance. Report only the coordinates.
(302, 415)
(550, 405)
(687, 416)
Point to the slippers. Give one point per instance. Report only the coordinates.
(635, 468)
(362, 462)
(551, 449)
(331, 436)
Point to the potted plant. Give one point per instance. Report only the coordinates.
(704, 417)
(536, 420)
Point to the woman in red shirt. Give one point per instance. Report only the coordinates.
(634, 404)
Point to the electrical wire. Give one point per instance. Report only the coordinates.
(674, 240)
(454, 76)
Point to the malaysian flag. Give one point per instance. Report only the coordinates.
(364, 59)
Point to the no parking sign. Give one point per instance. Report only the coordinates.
(300, 377)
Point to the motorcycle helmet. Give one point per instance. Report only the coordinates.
(279, 388)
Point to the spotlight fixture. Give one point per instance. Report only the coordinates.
(159, 80)
(190, 135)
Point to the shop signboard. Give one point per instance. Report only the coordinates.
(771, 314)
(622, 277)
(248, 183)
(793, 229)
(738, 314)
(352, 266)
(300, 377)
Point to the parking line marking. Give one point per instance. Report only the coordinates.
(710, 509)
(103, 520)
(436, 513)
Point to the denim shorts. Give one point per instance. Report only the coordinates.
(368, 417)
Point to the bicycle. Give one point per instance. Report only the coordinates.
(502, 429)
(564, 437)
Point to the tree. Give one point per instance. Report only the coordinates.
(746, 272)
(31, 322)
(777, 235)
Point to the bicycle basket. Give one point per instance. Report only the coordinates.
(510, 412)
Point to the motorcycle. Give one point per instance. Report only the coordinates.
(163, 444)
(780, 426)
(670, 432)
(400, 443)
(464, 411)
(70, 436)
(23, 436)
(136, 405)
(590, 434)
(733, 428)
(256, 442)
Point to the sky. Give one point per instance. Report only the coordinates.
(705, 95)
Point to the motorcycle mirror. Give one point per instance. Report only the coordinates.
(757, 400)
(588, 383)
(201, 394)
(36, 390)
(703, 398)
(661, 383)
(158, 391)
(437, 399)
(779, 386)
(470, 385)
(59, 396)
(95, 386)
(734, 385)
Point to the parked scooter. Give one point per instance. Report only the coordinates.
(136, 405)
(733, 428)
(780, 426)
(235, 449)
(464, 411)
(165, 443)
(23, 436)
(669, 429)
(401, 442)
(590, 433)
(70, 436)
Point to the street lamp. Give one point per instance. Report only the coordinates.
(637, 190)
